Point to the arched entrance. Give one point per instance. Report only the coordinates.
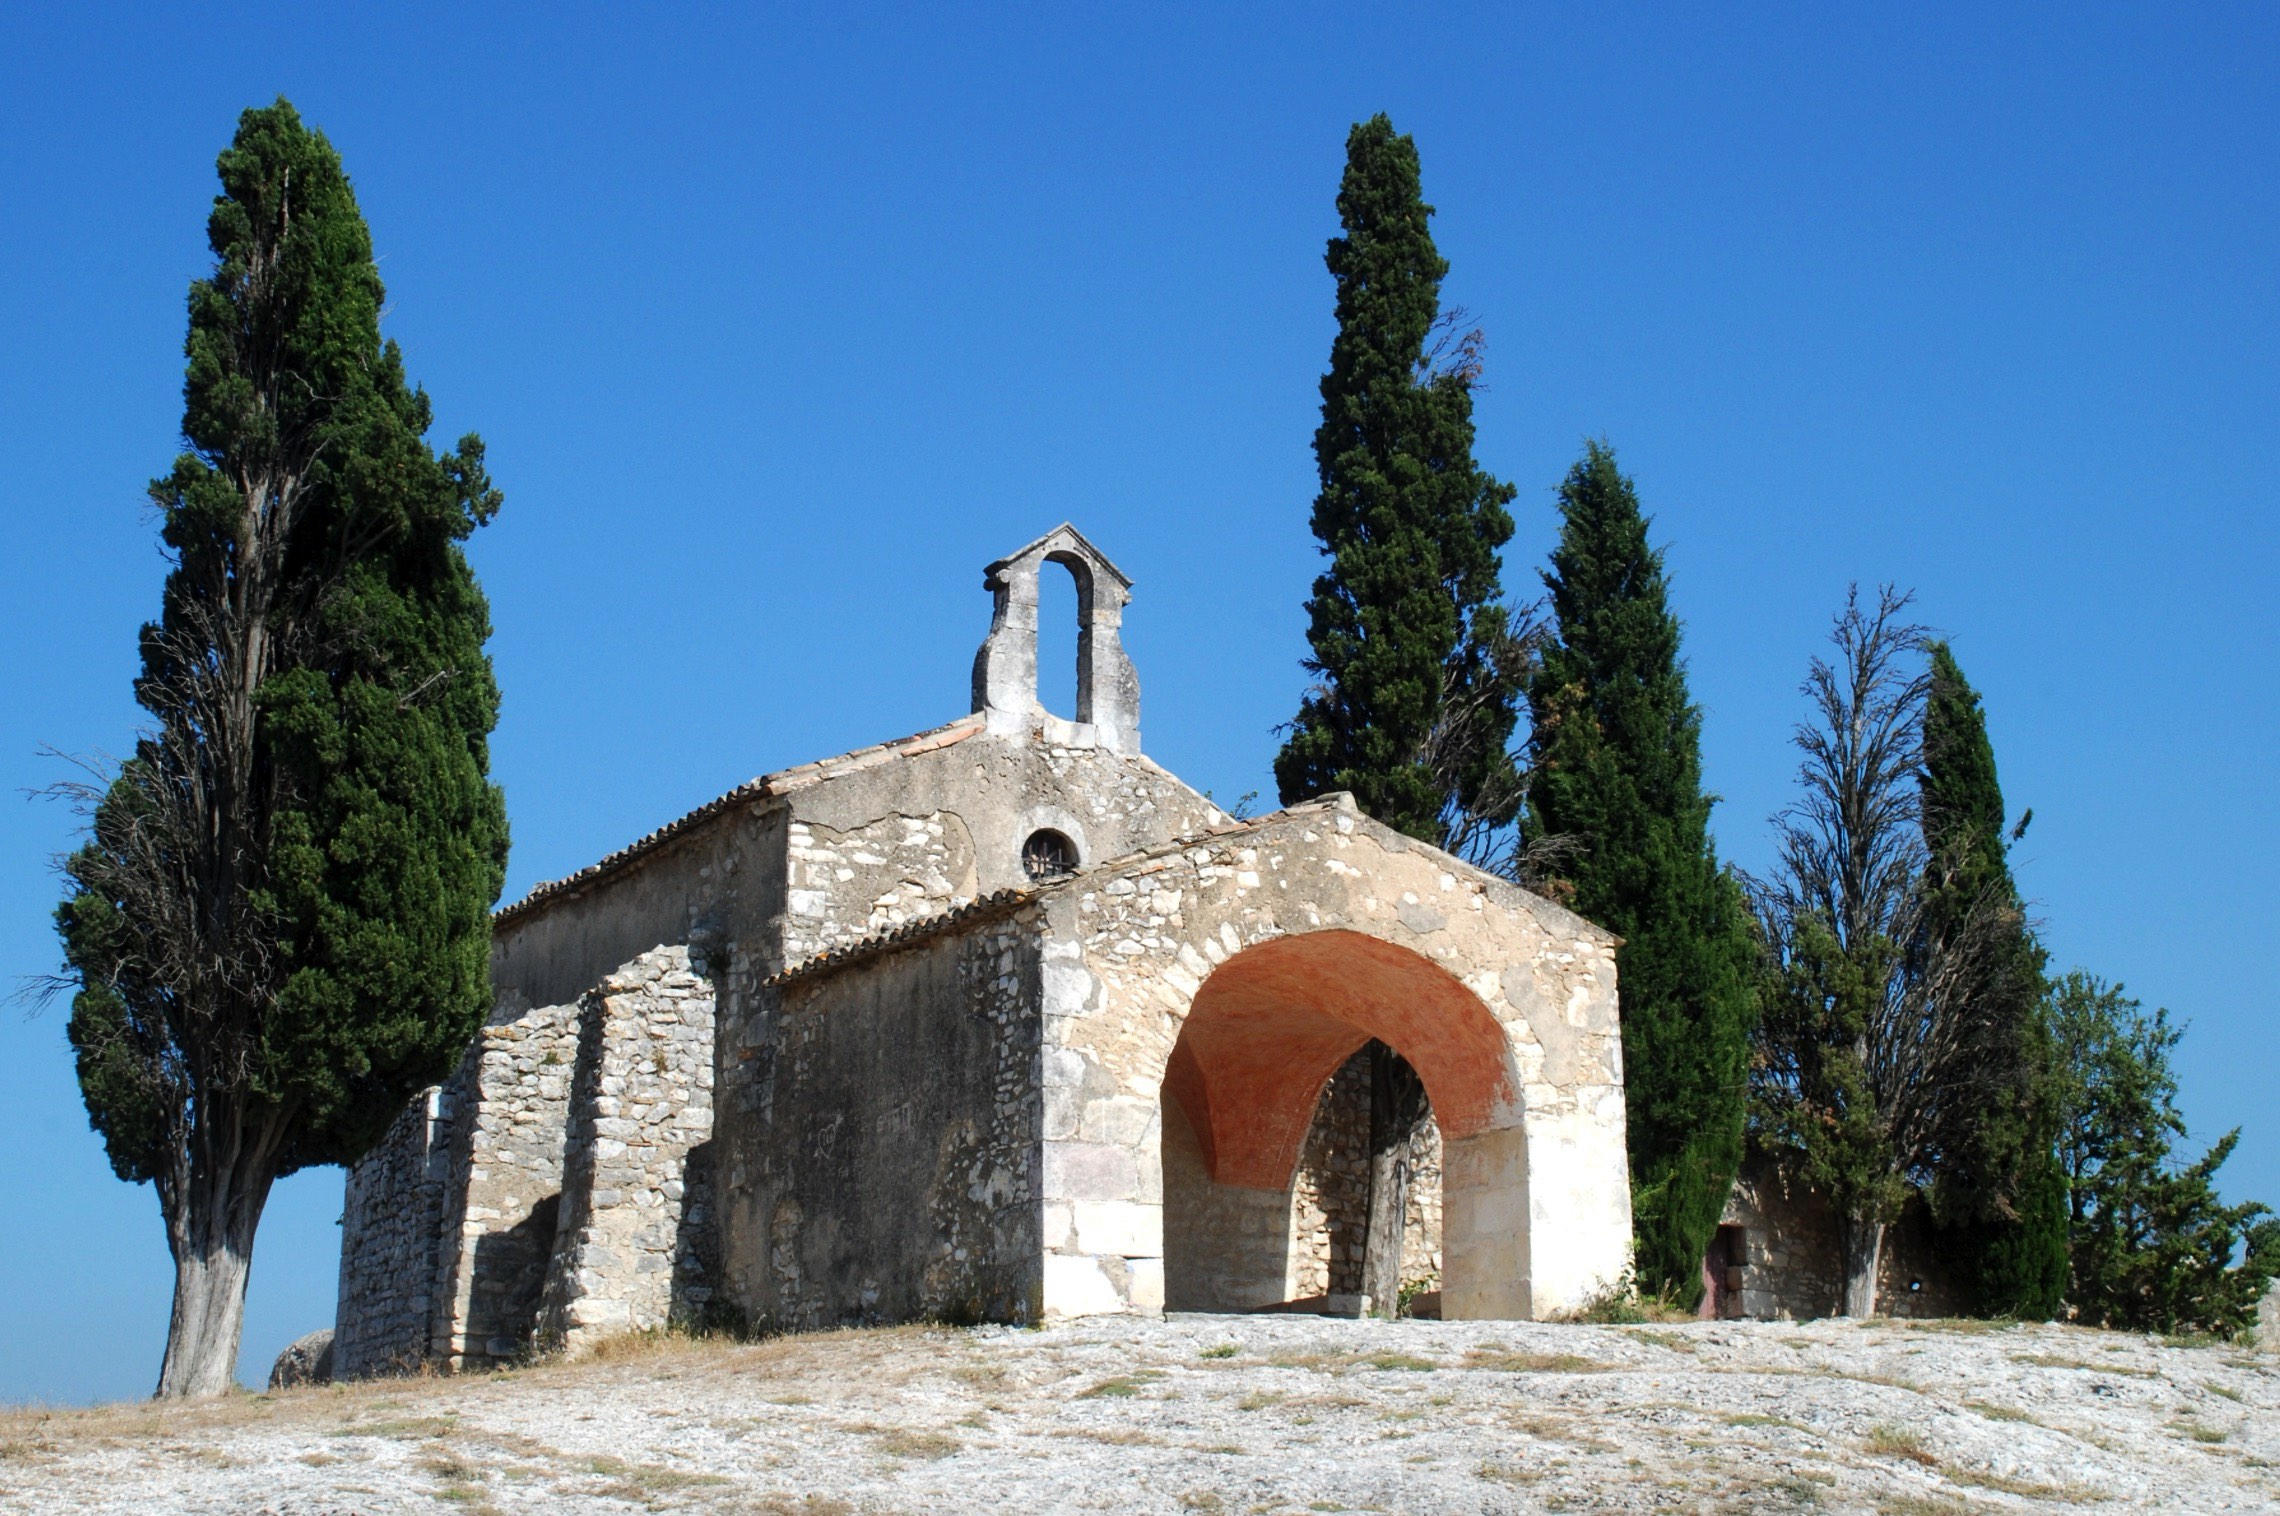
(1264, 1035)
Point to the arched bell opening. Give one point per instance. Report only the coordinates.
(1064, 590)
(1266, 1099)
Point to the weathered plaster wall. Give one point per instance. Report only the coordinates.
(831, 852)
(1536, 1199)
(1226, 1247)
(985, 793)
(1794, 1270)
(877, 1135)
(721, 883)
(635, 1247)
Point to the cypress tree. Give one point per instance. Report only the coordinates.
(279, 922)
(1412, 527)
(1618, 772)
(1412, 647)
(2000, 1188)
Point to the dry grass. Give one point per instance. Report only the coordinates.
(1924, 1505)
(1403, 1362)
(1999, 1412)
(801, 1505)
(403, 1428)
(1955, 1326)
(2026, 1489)
(1117, 1437)
(1677, 1342)
(1574, 1432)
(2054, 1361)
(1535, 1363)
(1900, 1442)
(1121, 1386)
(1752, 1419)
(903, 1443)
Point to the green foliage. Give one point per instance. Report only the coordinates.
(1404, 625)
(2153, 1247)
(1856, 1071)
(280, 920)
(1618, 773)
(1998, 1188)
(1817, 1102)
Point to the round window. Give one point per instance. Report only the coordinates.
(1048, 855)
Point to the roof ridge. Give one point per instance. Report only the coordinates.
(857, 949)
(778, 782)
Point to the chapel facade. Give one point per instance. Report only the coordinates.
(997, 1022)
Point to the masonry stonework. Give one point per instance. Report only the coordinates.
(392, 1223)
(510, 1102)
(1778, 1242)
(999, 1021)
(635, 1246)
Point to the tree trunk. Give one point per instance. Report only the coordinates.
(1397, 1105)
(210, 1228)
(1864, 1250)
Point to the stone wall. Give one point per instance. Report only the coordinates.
(392, 1225)
(449, 1221)
(876, 846)
(1330, 1195)
(817, 856)
(552, 1168)
(714, 879)
(1225, 1247)
(1793, 1269)
(872, 878)
(510, 1101)
(877, 1134)
(1504, 1001)
(635, 1246)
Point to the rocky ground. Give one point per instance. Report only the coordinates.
(1226, 1414)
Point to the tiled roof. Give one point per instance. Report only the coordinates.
(998, 903)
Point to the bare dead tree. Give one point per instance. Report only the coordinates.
(1455, 351)
(1863, 1069)
(1480, 771)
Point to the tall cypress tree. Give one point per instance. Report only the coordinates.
(2001, 1188)
(1412, 526)
(280, 920)
(1617, 745)
(1412, 646)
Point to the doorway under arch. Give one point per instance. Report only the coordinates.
(1265, 1035)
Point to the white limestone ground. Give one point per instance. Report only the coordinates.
(1226, 1414)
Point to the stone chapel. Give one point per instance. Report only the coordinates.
(999, 1022)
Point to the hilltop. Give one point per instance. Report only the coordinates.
(1225, 1414)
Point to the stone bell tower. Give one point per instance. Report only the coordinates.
(1005, 670)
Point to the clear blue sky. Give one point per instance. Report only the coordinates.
(780, 324)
